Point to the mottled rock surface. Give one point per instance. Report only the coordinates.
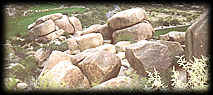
(145, 55)
(100, 66)
(197, 38)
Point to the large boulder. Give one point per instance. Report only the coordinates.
(118, 83)
(91, 40)
(76, 23)
(197, 38)
(64, 23)
(175, 49)
(145, 55)
(136, 32)
(56, 57)
(44, 28)
(126, 18)
(64, 75)
(174, 36)
(82, 55)
(100, 66)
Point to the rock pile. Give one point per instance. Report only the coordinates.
(98, 55)
(54, 25)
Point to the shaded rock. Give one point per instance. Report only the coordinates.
(126, 18)
(42, 39)
(44, 28)
(65, 75)
(175, 49)
(129, 72)
(145, 55)
(76, 23)
(121, 45)
(100, 66)
(105, 31)
(42, 54)
(197, 38)
(118, 83)
(136, 32)
(125, 63)
(64, 23)
(91, 40)
(55, 34)
(174, 36)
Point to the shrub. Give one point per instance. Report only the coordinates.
(155, 80)
(197, 75)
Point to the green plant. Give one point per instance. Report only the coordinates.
(18, 25)
(46, 81)
(56, 45)
(10, 83)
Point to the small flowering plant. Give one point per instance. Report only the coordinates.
(196, 77)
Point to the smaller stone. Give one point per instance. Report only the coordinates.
(91, 40)
(173, 36)
(22, 85)
(41, 54)
(44, 28)
(62, 38)
(92, 29)
(65, 24)
(121, 46)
